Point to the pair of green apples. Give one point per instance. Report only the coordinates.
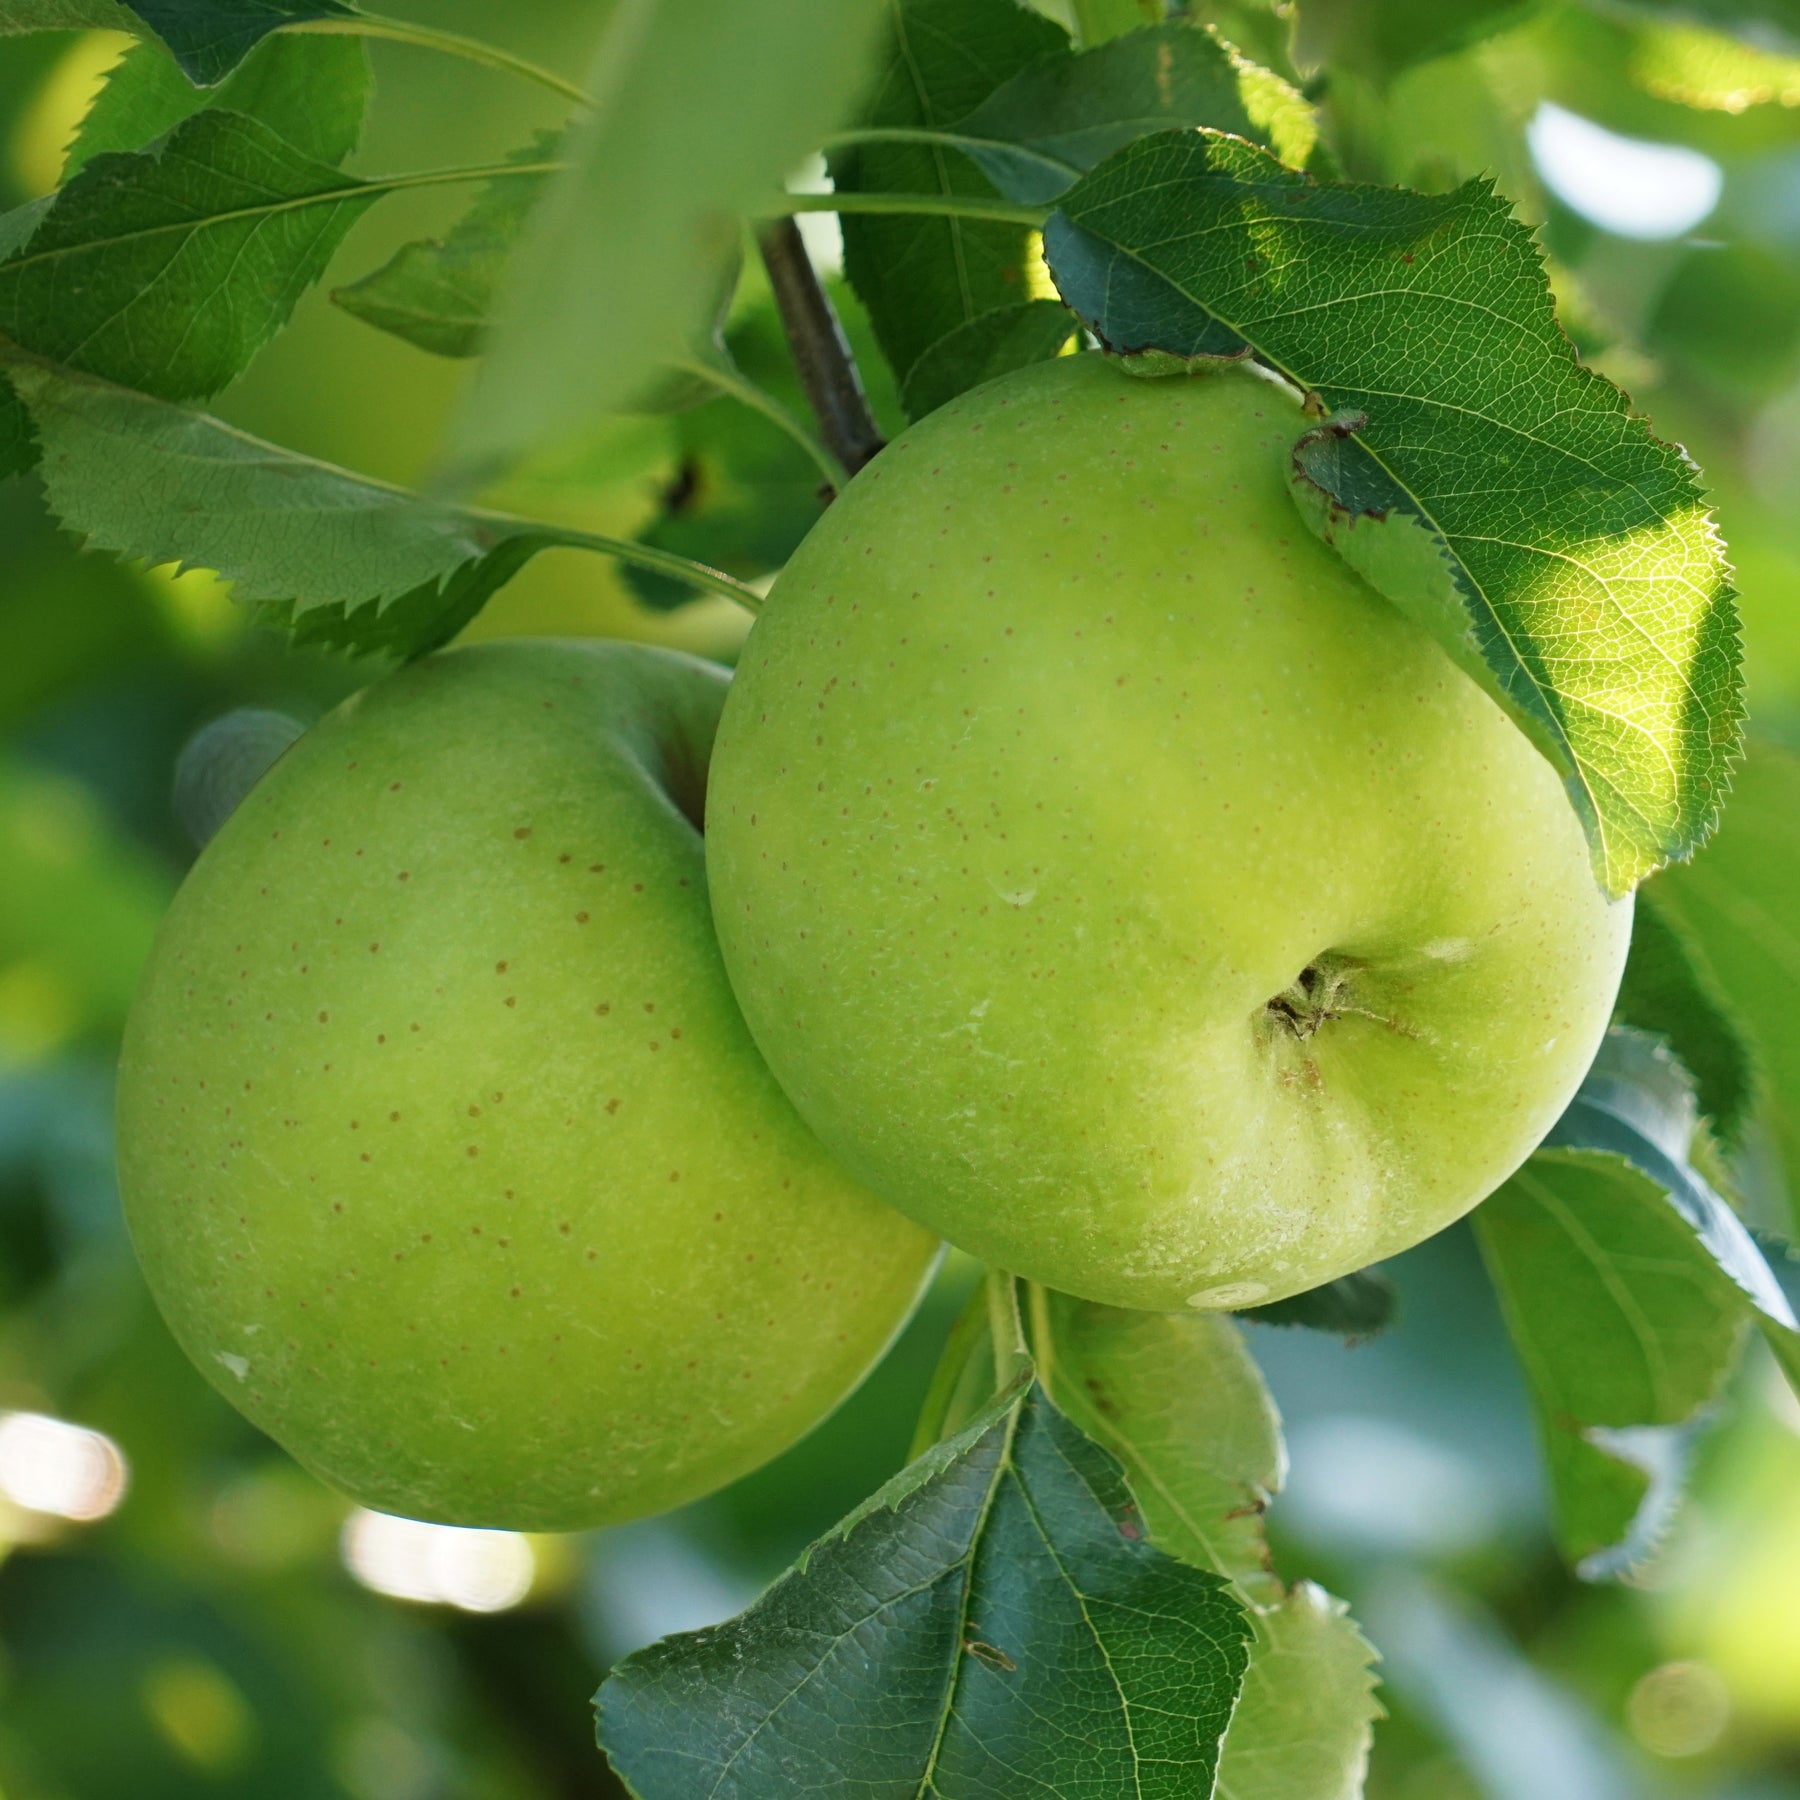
(1095, 872)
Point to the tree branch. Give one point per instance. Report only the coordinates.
(822, 356)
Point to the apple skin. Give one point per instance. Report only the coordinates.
(443, 1144)
(1061, 751)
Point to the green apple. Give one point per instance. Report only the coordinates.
(1121, 886)
(444, 1146)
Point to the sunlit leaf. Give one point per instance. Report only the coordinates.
(311, 91)
(1472, 468)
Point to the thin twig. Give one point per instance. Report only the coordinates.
(833, 388)
(948, 206)
(452, 43)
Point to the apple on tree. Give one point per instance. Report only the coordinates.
(1117, 883)
(445, 1148)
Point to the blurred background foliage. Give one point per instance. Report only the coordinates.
(184, 1612)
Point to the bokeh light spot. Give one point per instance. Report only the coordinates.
(442, 1565)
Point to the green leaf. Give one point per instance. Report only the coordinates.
(744, 493)
(1354, 1306)
(992, 1623)
(168, 269)
(994, 344)
(1668, 992)
(1737, 906)
(1764, 22)
(345, 561)
(922, 277)
(438, 293)
(421, 619)
(209, 38)
(64, 15)
(1380, 38)
(1039, 132)
(1473, 470)
(1620, 1326)
(702, 108)
(1638, 1102)
(1304, 1723)
(17, 226)
(1178, 1400)
(222, 762)
(312, 91)
(334, 558)
(18, 447)
(1626, 1284)
(1098, 20)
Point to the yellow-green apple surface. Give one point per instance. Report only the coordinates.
(444, 1146)
(1121, 886)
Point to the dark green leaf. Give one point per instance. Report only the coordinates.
(1625, 1331)
(438, 293)
(344, 561)
(1626, 1284)
(64, 15)
(1473, 470)
(744, 493)
(922, 277)
(1381, 37)
(1737, 904)
(18, 448)
(1668, 993)
(209, 38)
(1040, 131)
(421, 619)
(167, 270)
(994, 344)
(702, 109)
(1354, 1306)
(312, 91)
(992, 1623)
(222, 762)
(1638, 1102)
(1178, 1399)
(1180, 1403)
(1098, 20)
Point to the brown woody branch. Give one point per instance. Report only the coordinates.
(828, 375)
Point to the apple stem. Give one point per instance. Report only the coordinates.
(821, 352)
(1007, 1326)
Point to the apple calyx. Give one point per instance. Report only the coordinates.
(1315, 997)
